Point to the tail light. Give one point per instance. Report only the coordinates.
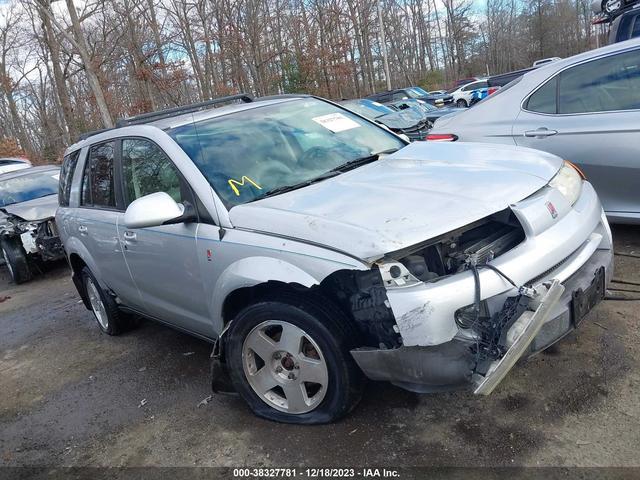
(441, 137)
(492, 90)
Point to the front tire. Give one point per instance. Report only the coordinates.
(16, 260)
(462, 103)
(289, 359)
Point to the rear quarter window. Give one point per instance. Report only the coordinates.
(66, 177)
(543, 100)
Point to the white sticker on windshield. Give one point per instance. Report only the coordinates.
(336, 122)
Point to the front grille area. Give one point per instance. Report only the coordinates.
(549, 270)
(417, 132)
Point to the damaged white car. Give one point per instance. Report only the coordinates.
(28, 234)
(316, 248)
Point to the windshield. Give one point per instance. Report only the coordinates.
(427, 107)
(420, 92)
(246, 154)
(370, 110)
(28, 187)
(417, 105)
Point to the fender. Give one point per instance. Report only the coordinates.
(252, 271)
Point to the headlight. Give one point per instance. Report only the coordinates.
(26, 227)
(568, 181)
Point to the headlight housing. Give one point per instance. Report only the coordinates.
(568, 181)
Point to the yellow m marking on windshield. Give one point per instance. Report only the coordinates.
(234, 184)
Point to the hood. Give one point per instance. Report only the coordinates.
(36, 209)
(422, 191)
(400, 120)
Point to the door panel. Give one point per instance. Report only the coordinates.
(590, 114)
(606, 147)
(164, 265)
(97, 218)
(163, 259)
(97, 229)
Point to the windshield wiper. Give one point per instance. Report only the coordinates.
(351, 164)
(295, 186)
(331, 173)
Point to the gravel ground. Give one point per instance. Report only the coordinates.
(71, 396)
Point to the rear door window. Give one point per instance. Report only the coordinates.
(605, 84)
(98, 183)
(66, 177)
(636, 27)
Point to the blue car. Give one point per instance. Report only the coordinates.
(407, 122)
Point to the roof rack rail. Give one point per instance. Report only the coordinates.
(148, 117)
(85, 135)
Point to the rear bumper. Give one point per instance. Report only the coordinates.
(452, 365)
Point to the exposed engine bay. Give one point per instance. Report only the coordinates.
(38, 238)
(480, 242)
(364, 294)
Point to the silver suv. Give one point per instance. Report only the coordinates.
(316, 248)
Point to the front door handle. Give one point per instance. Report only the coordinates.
(129, 236)
(541, 132)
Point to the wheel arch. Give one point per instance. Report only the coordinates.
(250, 277)
(245, 296)
(358, 294)
(78, 257)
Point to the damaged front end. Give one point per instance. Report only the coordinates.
(39, 239)
(445, 315)
(500, 341)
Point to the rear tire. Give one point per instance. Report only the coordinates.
(104, 308)
(16, 259)
(462, 103)
(307, 375)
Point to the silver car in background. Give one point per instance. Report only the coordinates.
(315, 247)
(585, 109)
(12, 164)
(28, 234)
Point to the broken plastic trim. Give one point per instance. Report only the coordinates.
(220, 379)
(520, 335)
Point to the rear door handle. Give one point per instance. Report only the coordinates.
(82, 229)
(540, 132)
(129, 236)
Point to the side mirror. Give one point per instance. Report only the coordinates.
(157, 209)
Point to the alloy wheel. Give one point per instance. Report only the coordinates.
(96, 304)
(285, 367)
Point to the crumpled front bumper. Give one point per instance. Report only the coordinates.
(451, 365)
(437, 356)
(428, 369)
